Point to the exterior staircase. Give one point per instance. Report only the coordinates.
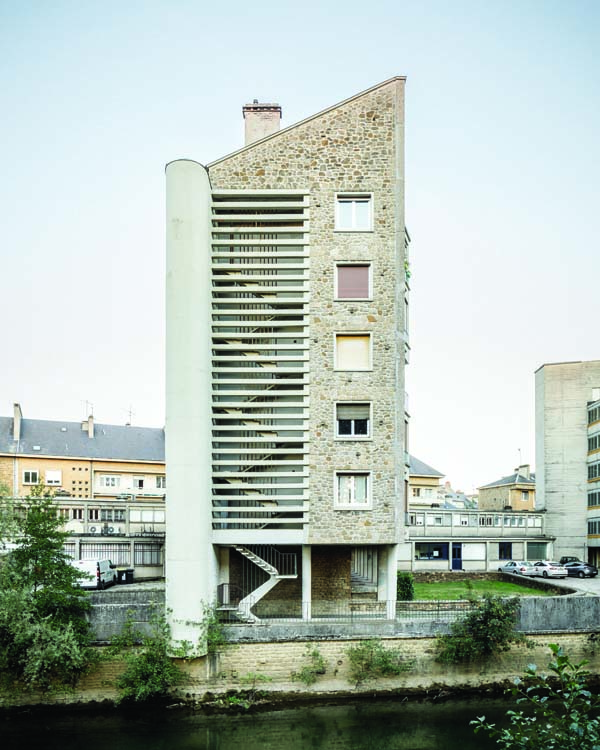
(286, 568)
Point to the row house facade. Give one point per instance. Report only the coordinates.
(108, 484)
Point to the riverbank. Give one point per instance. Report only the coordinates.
(253, 675)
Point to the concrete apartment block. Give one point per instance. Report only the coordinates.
(286, 297)
(564, 395)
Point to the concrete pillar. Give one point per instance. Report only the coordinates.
(306, 583)
(190, 560)
(392, 575)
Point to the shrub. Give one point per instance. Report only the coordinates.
(488, 629)
(371, 659)
(562, 714)
(150, 671)
(405, 587)
(309, 672)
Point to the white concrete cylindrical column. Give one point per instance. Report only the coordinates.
(190, 562)
(306, 582)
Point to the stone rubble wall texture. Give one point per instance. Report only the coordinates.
(231, 669)
(351, 148)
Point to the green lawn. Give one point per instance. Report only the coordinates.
(458, 590)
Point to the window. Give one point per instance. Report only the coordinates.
(109, 481)
(31, 477)
(77, 514)
(353, 351)
(146, 516)
(416, 492)
(93, 514)
(138, 483)
(54, 477)
(161, 483)
(353, 420)
(536, 550)
(352, 490)
(354, 212)
(110, 515)
(524, 495)
(505, 551)
(425, 551)
(353, 281)
(146, 554)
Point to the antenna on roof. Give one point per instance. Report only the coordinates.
(130, 414)
(89, 408)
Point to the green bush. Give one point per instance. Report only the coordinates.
(488, 629)
(150, 672)
(370, 660)
(405, 587)
(316, 666)
(561, 713)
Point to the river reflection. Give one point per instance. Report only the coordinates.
(365, 725)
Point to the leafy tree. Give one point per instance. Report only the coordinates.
(488, 629)
(561, 713)
(44, 636)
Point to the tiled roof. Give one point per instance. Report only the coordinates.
(512, 479)
(42, 437)
(420, 469)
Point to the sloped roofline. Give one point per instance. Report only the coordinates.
(307, 119)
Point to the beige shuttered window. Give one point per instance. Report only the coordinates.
(353, 351)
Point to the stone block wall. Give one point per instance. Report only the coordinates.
(355, 147)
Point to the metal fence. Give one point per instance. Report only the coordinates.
(321, 611)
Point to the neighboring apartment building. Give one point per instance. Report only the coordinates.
(567, 396)
(424, 485)
(108, 482)
(514, 492)
(286, 346)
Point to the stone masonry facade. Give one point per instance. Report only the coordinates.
(354, 148)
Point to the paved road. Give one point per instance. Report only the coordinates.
(590, 586)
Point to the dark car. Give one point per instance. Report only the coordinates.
(581, 569)
(569, 558)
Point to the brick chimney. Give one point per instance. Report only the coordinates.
(260, 120)
(17, 418)
(88, 426)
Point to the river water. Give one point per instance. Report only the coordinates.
(361, 725)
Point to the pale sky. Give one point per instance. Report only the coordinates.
(502, 160)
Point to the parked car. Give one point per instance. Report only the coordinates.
(517, 567)
(568, 558)
(581, 569)
(95, 574)
(548, 568)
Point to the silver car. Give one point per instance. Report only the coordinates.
(517, 567)
(548, 569)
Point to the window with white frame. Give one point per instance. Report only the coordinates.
(353, 420)
(54, 477)
(93, 514)
(77, 514)
(107, 480)
(353, 281)
(146, 516)
(353, 351)
(416, 492)
(31, 477)
(524, 495)
(352, 489)
(161, 482)
(354, 212)
(138, 483)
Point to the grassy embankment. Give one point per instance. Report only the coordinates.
(458, 590)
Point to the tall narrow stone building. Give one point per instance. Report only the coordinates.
(286, 347)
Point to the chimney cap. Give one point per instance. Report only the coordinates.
(257, 106)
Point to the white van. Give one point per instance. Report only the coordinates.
(100, 573)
